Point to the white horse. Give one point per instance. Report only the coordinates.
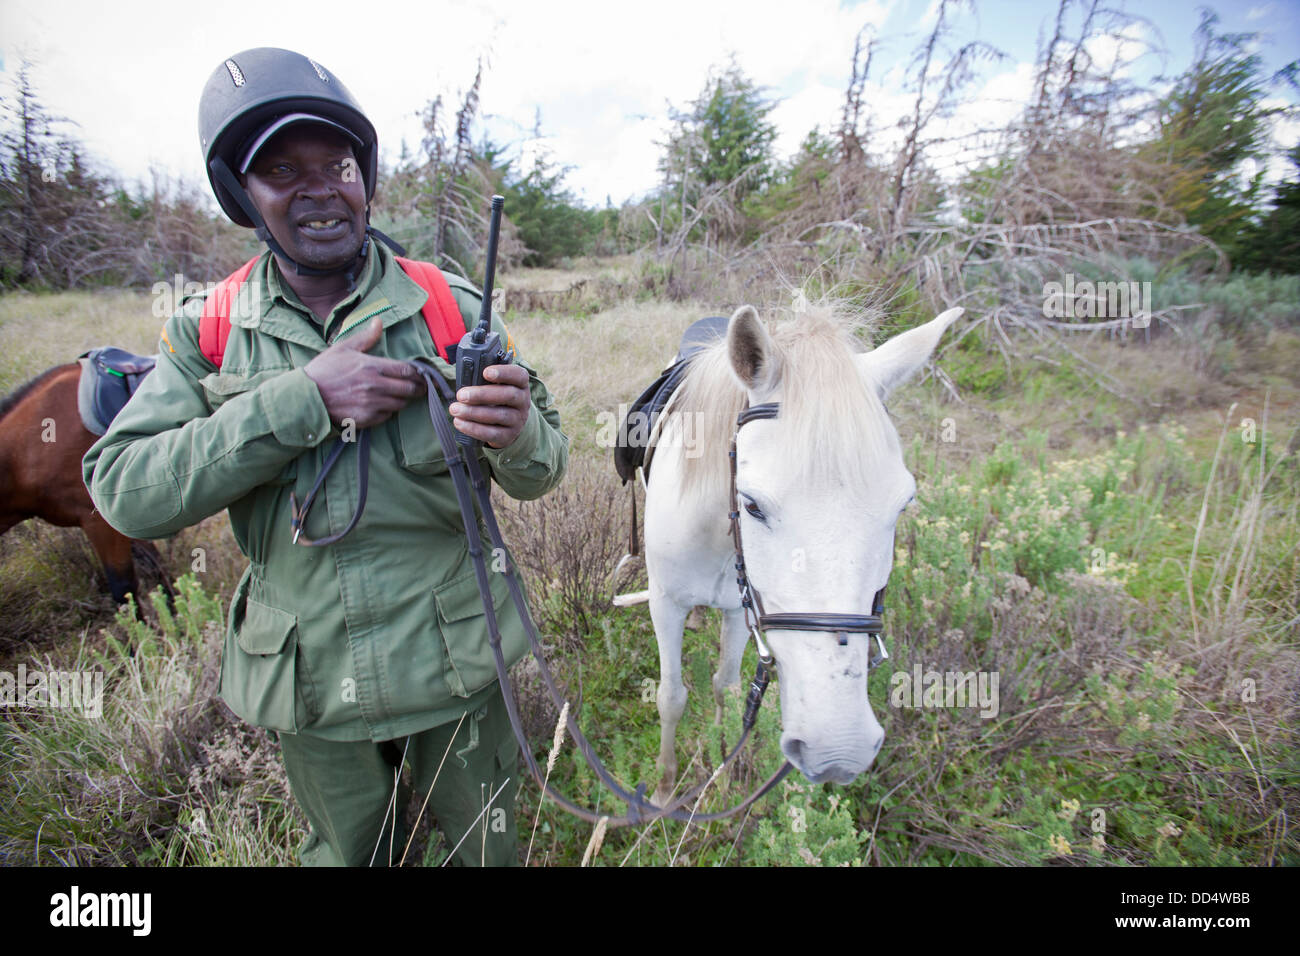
(819, 490)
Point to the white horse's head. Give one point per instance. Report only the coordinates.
(819, 490)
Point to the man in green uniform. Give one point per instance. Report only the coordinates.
(372, 650)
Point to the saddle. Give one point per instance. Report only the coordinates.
(109, 377)
(636, 432)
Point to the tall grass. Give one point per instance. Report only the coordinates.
(162, 774)
(1124, 558)
(1122, 736)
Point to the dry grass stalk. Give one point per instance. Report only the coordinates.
(437, 773)
(560, 726)
(556, 744)
(597, 838)
(486, 807)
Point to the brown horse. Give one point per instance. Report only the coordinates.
(42, 442)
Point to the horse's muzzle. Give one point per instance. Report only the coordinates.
(840, 765)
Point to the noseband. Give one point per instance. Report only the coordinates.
(755, 617)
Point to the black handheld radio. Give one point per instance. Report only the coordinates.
(481, 346)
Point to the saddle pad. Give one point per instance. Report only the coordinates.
(109, 377)
(636, 432)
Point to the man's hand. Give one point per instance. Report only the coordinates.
(365, 388)
(495, 413)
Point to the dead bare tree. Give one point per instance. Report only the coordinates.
(981, 216)
(851, 133)
(438, 204)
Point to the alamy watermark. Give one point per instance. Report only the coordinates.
(687, 434)
(127, 910)
(68, 690)
(168, 296)
(936, 689)
(1073, 299)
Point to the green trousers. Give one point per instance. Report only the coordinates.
(346, 789)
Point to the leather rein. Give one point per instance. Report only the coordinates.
(470, 485)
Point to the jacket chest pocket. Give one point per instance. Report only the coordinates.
(421, 452)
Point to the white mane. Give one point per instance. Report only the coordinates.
(832, 421)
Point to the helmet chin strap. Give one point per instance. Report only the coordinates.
(350, 269)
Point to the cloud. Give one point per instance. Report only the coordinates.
(602, 75)
(606, 81)
(1119, 51)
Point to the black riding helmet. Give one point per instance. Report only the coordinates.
(253, 90)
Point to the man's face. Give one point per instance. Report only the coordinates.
(306, 183)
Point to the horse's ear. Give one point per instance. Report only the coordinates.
(753, 357)
(893, 363)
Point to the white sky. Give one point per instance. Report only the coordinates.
(600, 75)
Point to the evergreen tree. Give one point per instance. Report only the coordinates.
(59, 226)
(550, 221)
(1211, 123)
(1273, 244)
(721, 148)
(29, 164)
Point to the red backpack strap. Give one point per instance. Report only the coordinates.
(214, 323)
(441, 312)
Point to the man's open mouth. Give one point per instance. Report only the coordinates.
(327, 228)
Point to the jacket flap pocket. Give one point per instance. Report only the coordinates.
(265, 629)
(459, 599)
(223, 385)
(471, 663)
(220, 387)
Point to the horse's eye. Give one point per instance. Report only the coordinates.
(755, 511)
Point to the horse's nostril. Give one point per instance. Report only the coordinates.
(793, 749)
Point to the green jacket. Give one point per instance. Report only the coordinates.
(381, 634)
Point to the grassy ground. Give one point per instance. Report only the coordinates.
(1113, 532)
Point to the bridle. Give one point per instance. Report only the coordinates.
(756, 619)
